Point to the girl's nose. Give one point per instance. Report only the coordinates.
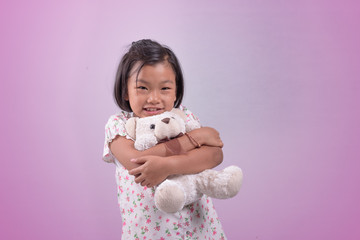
(154, 97)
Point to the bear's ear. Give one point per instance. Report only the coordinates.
(130, 127)
(180, 113)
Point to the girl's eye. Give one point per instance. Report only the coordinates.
(165, 88)
(141, 88)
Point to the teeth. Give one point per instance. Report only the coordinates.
(151, 109)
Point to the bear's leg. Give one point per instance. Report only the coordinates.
(220, 184)
(169, 197)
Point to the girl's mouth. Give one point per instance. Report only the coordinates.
(153, 111)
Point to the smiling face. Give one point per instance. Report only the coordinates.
(154, 92)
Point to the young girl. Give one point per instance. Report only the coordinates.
(149, 81)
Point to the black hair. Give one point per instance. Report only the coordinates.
(145, 52)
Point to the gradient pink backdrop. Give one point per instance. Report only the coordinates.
(279, 80)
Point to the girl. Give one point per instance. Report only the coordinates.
(149, 81)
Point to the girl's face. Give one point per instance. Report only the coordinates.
(155, 90)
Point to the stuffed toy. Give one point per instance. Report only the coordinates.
(178, 191)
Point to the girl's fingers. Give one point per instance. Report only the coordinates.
(140, 179)
(147, 184)
(139, 160)
(135, 171)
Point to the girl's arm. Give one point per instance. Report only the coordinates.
(123, 149)
(153, 169)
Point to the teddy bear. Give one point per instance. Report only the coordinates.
(178, 191)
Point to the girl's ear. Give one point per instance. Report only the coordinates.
(130, 127)
(126, 97)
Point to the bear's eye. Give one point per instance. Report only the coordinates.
(172, 117)
(152, 126)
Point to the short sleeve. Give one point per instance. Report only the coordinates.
(115, 126)
(190, 117)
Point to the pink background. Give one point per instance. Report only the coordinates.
(279, 80)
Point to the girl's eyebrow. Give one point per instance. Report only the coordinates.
(167, 81)
(164, 81)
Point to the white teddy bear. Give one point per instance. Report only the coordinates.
(178, 191)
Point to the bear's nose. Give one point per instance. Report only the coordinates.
(166, 120)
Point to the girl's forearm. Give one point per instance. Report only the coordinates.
(195, 161)
(123, 149)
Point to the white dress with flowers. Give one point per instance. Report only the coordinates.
(140, 218)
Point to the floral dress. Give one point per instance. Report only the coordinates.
(140, 218)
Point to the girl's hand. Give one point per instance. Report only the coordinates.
(153, 170)
(208, 136)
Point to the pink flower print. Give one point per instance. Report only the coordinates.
(127, 178)
(160, 217)
(124, 223)
(142, 196)
(177, 233)
(155, 208)
(192, 209)
(148, 221)
(157, 228)
(132, 191)
(162, 238)
(167, 220)
(176, 227)
(146, 229)
(136, 224)
(146, 208)
(212, 220)
(214, 232)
